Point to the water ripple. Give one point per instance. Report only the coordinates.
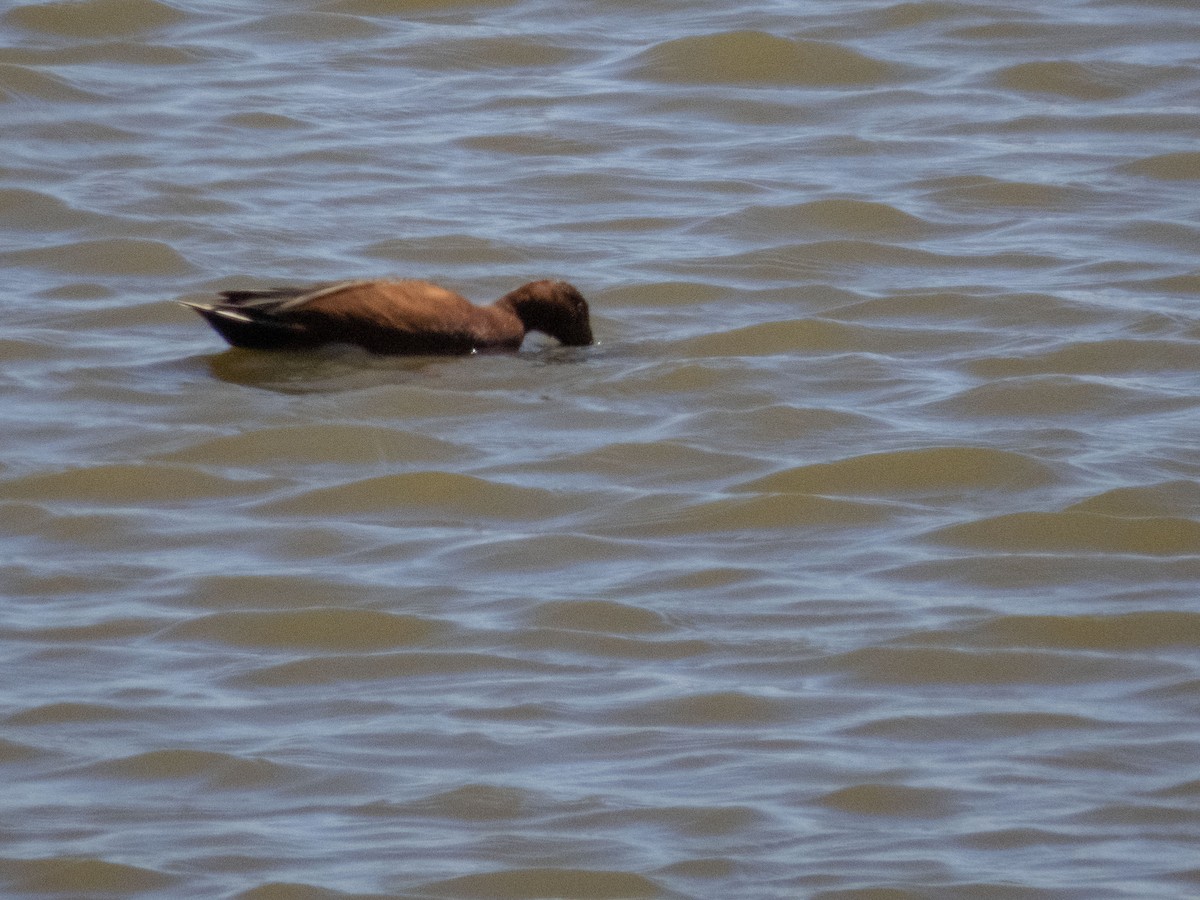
(755, 57)
(858, 557)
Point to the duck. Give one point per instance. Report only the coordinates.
(396, 317)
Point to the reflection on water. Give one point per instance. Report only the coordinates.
(328, 370)
(858, 557)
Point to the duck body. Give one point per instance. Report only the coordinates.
(395, 317)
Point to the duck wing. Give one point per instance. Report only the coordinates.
(276, 300)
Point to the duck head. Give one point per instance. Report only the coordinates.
(555, 308)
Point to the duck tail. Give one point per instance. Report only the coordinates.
(244, 328)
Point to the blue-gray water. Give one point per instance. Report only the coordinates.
(860, 558)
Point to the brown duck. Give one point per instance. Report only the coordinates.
(396, 317)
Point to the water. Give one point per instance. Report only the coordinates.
(859, 559)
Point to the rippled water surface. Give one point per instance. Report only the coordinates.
(860, 558)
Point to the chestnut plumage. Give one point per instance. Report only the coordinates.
(396, 317)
